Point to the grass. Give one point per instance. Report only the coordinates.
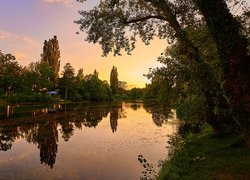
(205, 156)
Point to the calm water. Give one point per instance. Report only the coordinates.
(82, 141)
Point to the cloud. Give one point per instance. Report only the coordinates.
(23, 47)
(4, 35)
(7, 35)
(20, 56)
(66, 2)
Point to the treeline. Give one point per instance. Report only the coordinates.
(40, 81)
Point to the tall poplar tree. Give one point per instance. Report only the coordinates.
(114, 80)
(51, 55)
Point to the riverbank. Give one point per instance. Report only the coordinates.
(203, 156)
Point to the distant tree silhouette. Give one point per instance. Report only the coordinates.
(51, 55)
(80, 74)
(114, 80)
(113, 118)
(68, 78)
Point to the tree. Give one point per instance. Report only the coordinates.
(175, 85)
(37, 77)
(51, 55)
(79, 85)
(10, 73)
(233, 49)
(80, 74)
(135, 93)
(45, 73)
(116, 24)
(96, 89)
(122, 85)
(67, 79)
(114, 80)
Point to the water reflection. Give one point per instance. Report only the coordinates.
(160, 115)
(46, 137)
(43, 126)
(135, 106)
(90, 116)
(7, 138)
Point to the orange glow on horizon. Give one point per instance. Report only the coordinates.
(24, 38)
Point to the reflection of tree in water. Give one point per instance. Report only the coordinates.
(44, 135)
(116, 112)
(113, 118)
(135, 106)
(91, 116)
(160, 115)
(42, 130)
(7, 137)
(47, 138)
(29, 132)
(67, 130)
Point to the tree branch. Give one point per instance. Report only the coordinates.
(144, 19)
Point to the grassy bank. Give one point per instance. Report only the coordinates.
(204, 156)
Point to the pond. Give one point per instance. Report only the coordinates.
(83, 141)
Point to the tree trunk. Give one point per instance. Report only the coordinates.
(232, 47)
(210, 87)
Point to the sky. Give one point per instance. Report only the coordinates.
(25, 24)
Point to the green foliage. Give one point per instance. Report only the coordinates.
(135, 93)
(115, 25)
(114, 80)
(192, 112)
(69, 71)
(97, 89)
(51, 55)
(36, 77)
(81, 87)
(180, 84)
(29, 84)
(204, 156)
(10, 74)
(67, 83)
(80, 74)
(122, 85)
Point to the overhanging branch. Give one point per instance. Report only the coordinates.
(143, 19)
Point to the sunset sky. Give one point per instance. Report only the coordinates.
(25, 24)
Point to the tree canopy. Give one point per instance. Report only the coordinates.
(51, 55)
(116, 24)
(114, 80)
(10, 72)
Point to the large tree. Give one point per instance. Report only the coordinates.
(232, 46)
(10, 73)
(51, 55)
(114, 80)
(67, 80)
(115, 24)
(36, 77)
(96, 89)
